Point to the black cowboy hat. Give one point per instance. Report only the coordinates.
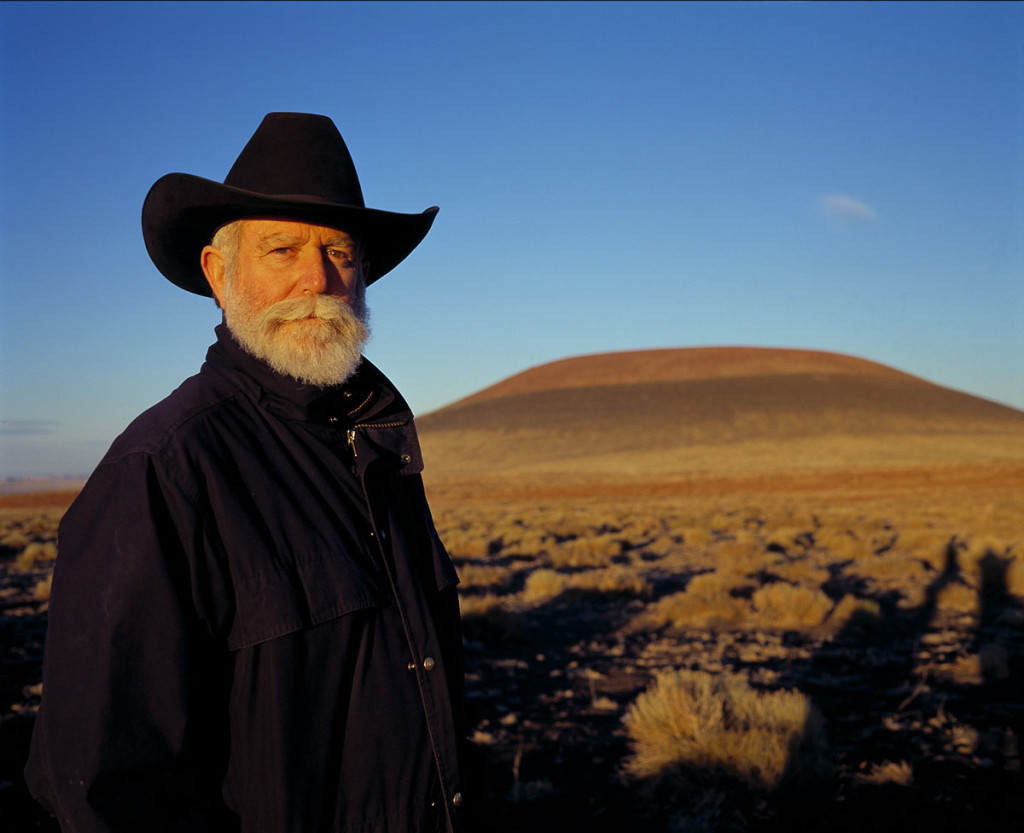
(295, 167)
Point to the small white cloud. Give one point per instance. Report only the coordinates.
(844, 211)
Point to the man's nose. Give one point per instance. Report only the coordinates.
(316, 273)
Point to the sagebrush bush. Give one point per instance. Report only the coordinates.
(41, 592)
(481, 606)
(956, 597)
(542, 586)
(851, 611)
(692, 727)
(15, 539)
(483, 575)
(36, 553)
(785, 605)
(589, 551)
(706, 602)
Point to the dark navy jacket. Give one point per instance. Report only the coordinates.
(254, 626)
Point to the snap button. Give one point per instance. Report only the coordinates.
(411, 666)
(332, 420)
(428, 664)
(457, 799)
(406, 458)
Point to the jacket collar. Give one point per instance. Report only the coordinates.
(367, 396)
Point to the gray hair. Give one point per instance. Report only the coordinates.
(226, 240)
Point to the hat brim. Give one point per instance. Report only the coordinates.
(182, 212)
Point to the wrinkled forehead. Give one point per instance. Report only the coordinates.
(261, 230)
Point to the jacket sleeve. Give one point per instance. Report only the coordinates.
(131, 734)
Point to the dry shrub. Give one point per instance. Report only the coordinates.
(966, 670)
(895, 565)
(15, 540)
(527, 542)
(544, 585)
(589, 551)
(956, 597)
(35, 554)
(792, 539)
(481, 606)
(980, 547)
(741, 557)
(801, 571)
(887, 772)
(467, 544)
(663, 545)
(785, 605)
(854, 612)
(706, 602)
(698, 537)
(483, 575)
(841, 543)
(41, 592)
(614, 579)
(697, 726)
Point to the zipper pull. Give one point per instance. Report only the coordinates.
(351, 436)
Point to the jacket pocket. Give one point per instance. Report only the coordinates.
(302, 590)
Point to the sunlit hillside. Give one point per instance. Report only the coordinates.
(677, 415)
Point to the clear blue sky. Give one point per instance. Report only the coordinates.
(611, 176)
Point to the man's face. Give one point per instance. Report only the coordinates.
(293, 294)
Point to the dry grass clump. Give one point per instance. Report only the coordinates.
(544, 585)
(694, 726)
(587, 551)
(784, 605)
(853, 611)
(474, 576)
(36, 554)
(957, 597)
(41, 592)
(887, 772)
(486, 605)
(14, 539)
(523, 543)
(706, 602)
(742, 556)
(471, 544)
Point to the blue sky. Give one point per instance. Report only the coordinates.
(611, 176)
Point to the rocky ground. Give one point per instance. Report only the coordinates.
(919, 741)
(550, 704)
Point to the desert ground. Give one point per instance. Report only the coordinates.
(718, 591)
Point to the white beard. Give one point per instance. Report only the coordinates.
(317, 339)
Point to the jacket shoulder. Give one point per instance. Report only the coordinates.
(171, 419)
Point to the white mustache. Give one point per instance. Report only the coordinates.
(323, 307)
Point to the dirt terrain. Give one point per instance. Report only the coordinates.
(803, 522)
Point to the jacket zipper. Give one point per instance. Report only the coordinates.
(350, 434)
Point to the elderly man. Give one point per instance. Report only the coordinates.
(254, 625)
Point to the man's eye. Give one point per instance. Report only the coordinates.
(339, 254)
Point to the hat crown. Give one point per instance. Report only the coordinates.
(298, 155)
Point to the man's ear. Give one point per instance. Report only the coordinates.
(212, 261)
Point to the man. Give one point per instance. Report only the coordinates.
(254, 625)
